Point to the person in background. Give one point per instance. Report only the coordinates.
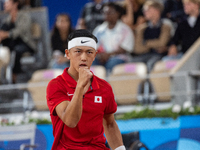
(91, 15)
(116, 39)
(187, 32)
(134, 15)
(81, 105)
(27, 4)
(16, 34)
(151, 37)
(62, 28)
(173, 10)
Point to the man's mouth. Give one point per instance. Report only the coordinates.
(82, 65)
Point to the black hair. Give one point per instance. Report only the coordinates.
(81, 33)
(116, 7)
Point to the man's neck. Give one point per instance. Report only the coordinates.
(73, 73)
(111, 25)
(155, 21)
(195, 13)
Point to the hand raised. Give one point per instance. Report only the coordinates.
(84, 76)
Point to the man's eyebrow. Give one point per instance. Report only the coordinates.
(78, 49)
(90, 49)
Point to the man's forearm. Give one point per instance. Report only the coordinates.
(74, 109)
(113, 135)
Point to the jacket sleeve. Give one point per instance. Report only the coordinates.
(140, 46)
(22, 26)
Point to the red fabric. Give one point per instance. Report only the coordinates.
(98, 100)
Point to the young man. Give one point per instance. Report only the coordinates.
(187, 32)
(152, 37)
(116, 39)
(82, 105)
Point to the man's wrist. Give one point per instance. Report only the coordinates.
(120, 148)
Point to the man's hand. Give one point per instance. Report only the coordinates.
(161, 49)
(172, 51)
(4, 34)
(84, 76)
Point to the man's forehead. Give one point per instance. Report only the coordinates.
(84, 48)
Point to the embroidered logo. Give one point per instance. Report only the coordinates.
(98, 99)
(69, 94)
(84, 42)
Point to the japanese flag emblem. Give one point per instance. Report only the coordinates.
(98, 99)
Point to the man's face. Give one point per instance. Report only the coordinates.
(8, 5)
(81, 56)
(189, 7)
(150, 13)
(110, 14)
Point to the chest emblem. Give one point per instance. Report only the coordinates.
(69, 94)
(98, 99)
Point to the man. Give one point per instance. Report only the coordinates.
(91, 15)
(187, 32)
(15, 33)
(116, 39)
(82, 105)
(151, 37)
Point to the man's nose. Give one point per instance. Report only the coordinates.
(84, 57)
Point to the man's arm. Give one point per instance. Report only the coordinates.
(112, 132)
(70, 112)
(128, 18)
(140, 47)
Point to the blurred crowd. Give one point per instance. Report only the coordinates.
(127, 30)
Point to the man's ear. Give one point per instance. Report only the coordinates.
(67, 53)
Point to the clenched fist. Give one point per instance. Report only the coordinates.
(84, 76)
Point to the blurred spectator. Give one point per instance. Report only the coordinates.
(151, 37)
(134, 15)
(26, 4)
(187, 32)
(173, 10)
(15, 33)
(91, 15)
(116, 39)
(62, 28)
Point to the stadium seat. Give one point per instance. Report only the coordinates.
(99, 71)
(160, 79)
(5, 66)
(37, 86)
(125, 79)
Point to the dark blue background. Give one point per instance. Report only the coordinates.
(72, 7)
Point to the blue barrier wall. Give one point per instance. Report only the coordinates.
(156, 133)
